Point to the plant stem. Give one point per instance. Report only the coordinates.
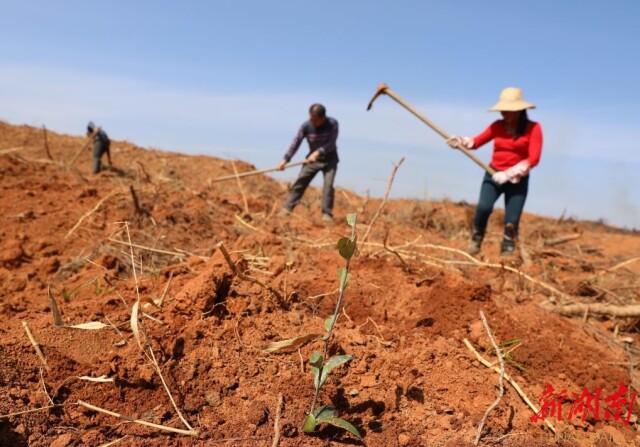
(336, 314)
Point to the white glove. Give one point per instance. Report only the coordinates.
(518, 171)
(454, 141)
(500, 177)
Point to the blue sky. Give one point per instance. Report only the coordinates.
(234, 79)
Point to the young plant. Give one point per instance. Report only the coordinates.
(506, 348)
(319, 364)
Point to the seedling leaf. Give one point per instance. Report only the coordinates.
(291, 343)
(315, 364)
(323, 412)
(346, 247)
(309, 424)
(507, 343)
(344, 278)
(345, 425)
(351, 219)
(332, 363)
(328, 323)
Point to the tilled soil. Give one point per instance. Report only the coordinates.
(144, 237)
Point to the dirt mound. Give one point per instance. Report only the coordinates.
(152, 234)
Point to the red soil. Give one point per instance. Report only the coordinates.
(407, 309)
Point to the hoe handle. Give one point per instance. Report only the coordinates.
(384, 89)
(256, 172)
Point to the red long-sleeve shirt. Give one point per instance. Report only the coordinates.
(508, 152)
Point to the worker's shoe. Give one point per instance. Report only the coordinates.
(508, 247)
(327, 217)
(476, 243)
(284, 212)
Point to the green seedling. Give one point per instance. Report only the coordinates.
(68, 295)
(507, 347)
(318, 363)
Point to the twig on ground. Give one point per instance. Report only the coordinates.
(301, 361)
(513, 383)
(35, 345)
(390, 250)
(276, 423)
(381, 338)
(117, 441)
(561, 240)
(11, 149)
(136, 202)
(57, 319)
(384, 200)
(117, 330)
(166, 387)
(630, 310)
(474, 262)
(228, 440)
(500, 380)
(133, 264)
(244, 277)
(35, 160)
(44, 386)
(151, 358)
(155, 250)
(91, 211)
(244, 197)
(46, 144)
(20, 413)
(113, 287)
(166, 289)
(617, 266)
(428, 279)
(524, 252)
(246, 224)
(137, 421)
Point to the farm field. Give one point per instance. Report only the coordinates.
(149, 238)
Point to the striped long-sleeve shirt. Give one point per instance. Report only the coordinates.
(322, 138)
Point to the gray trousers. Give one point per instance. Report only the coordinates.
(99, 149)
(307, 173)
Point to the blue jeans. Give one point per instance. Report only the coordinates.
(514, 198)
(307, 173)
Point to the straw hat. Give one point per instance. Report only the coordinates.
(511, 100)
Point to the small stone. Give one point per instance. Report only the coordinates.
(63, 440)
(403, 439)
(213, 399)
(257, 414)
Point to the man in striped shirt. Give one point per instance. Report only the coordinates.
(321, 133)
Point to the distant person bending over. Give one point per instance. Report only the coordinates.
(517, 146)
(101, 146)
(321, 133)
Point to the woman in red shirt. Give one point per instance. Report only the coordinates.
(517, 145)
